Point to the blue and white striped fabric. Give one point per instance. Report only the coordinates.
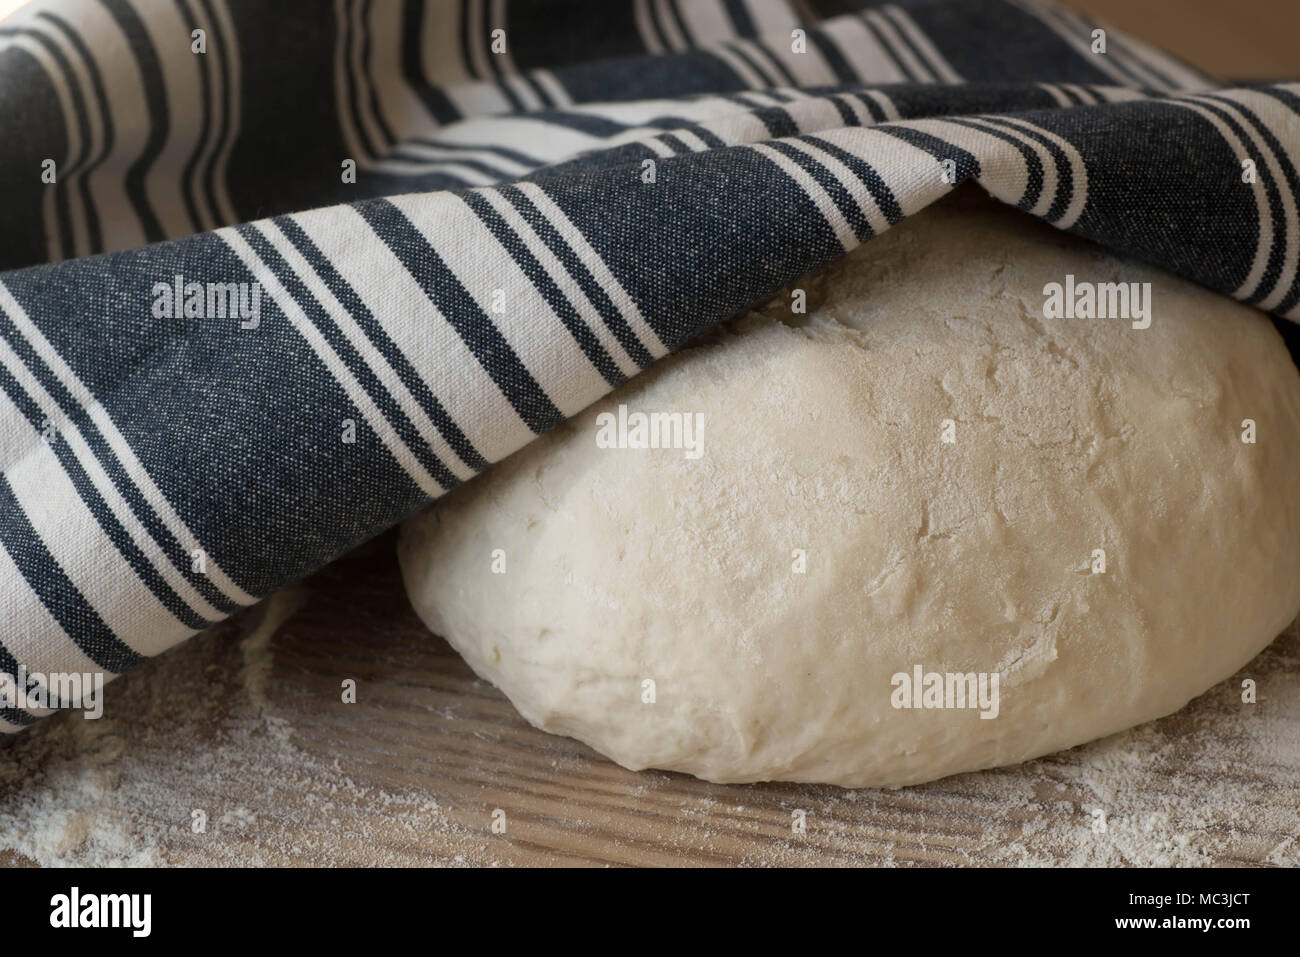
(279, 274)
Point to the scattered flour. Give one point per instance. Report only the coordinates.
(195, 731)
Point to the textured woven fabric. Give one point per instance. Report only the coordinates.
(279, 274)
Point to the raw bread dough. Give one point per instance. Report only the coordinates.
(823, 434)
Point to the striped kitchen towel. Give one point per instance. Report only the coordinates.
(279, 274)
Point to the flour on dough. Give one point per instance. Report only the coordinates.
(650, 603)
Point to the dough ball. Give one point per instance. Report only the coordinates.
(828, 539)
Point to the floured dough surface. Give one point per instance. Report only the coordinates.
(824, 437)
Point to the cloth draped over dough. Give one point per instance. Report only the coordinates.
(278, 275)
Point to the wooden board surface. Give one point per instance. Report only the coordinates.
(1241, 39)
(247, 725)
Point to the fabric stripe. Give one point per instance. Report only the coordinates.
(57, 593)
(475, 328)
